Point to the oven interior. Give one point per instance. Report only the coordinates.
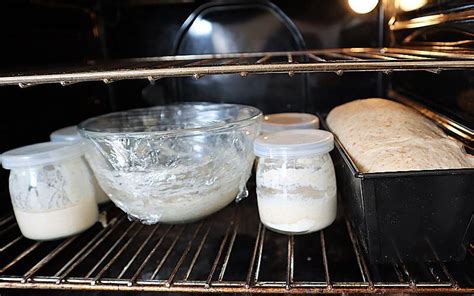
(422, 56)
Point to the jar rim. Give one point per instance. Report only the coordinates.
(294, 143)
(287, 121)
(66, 134)
(40, 154)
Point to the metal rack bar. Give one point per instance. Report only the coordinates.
(218, 256)
(148, 257)
(87, 249)
(325, 261)
(425, 52)
(376, 56)
(6, 219)
(406, 56)
(260, 255)
(138, 251)
(248, 281)
(315, 57)
(264, 59)
(411, 281)
(48, 258)
(11, 243)
(433, 19)
(170, 279)
(168, 252)
(21, 256)
(290, 262)
(197, 253)
(115, 257)
(342, 56)
(110, 250)
(364, 270)
(234, 289)
(398, 273)
(229, 251)
(290, 58)
(8, 228)
(343, 59)
(443, 266)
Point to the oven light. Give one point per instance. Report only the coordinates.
(409, 5)
(362, 6)
(201, 27)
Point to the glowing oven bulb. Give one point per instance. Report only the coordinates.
(409, 5)
(362, 6)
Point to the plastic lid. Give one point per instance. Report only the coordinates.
(294, 143)
(286, 121)
(42, 153)
(67, 134)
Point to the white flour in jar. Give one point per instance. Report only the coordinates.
(46, 225)
(54, 200)
(298, 195)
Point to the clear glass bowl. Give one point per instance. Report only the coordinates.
(176, 163)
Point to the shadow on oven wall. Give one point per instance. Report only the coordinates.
(43, 33)
(261, 26)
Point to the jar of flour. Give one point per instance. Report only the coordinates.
(296, 183)
(51, 190)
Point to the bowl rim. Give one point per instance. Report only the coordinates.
(218, 127)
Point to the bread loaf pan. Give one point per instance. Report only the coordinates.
(408, 216)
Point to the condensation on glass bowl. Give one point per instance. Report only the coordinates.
(173, 164)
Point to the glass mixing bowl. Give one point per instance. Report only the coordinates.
(176, 163)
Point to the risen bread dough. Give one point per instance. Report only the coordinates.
(383, 136)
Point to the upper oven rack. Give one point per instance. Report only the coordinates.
(338, 61)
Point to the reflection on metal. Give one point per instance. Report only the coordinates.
(431, 20)
(438, 45)
(462, 132)
(463, 40)
(208, 256)
(197, 66)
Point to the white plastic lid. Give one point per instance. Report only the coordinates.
(286, 121)
(38, 154)
(67, 134)
(294, 143)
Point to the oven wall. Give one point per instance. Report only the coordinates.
(43, 33)
(450, 93)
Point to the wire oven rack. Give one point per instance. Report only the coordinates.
(340, 60)
(229, 252)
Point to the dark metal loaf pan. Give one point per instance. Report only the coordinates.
(408, 216)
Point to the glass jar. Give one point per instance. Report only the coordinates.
(296, 183)
(71, 134)
(278, 122)
(51, 190)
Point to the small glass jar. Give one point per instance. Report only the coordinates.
(278, 122)
(296, 183)
(71, 134)
(51, 190)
